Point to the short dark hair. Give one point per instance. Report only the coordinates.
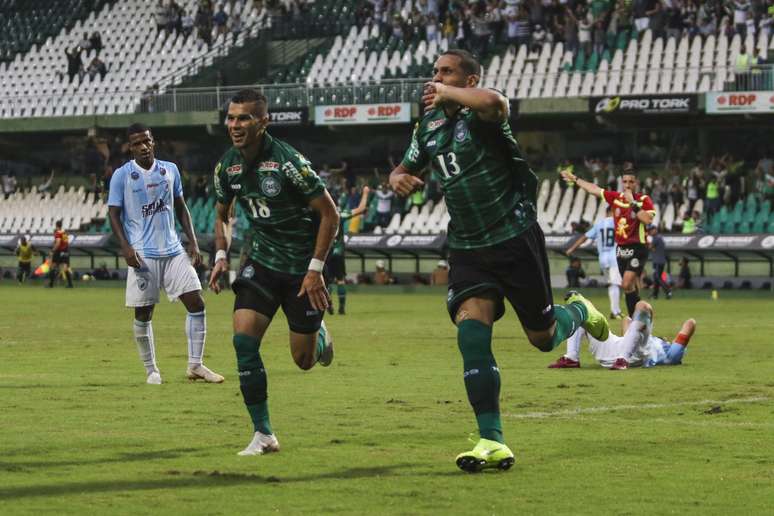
(250, 96)
(58, 223)
(468, 61)
(136, 128)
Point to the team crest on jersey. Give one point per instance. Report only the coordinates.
(142, 283)
(435, 124)
(248, 272)
(234, 170)
(270, 186)
(135, 175)
(460, 131)
(163, 171)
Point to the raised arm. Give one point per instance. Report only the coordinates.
(576, 245)
(184, 217)
(571, 178)
(488, 104)
(363, 206)
(314, 284)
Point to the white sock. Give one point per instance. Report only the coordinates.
(143, 336)
(574, 345)
(614, 293)
(196, 331)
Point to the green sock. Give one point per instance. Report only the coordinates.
(482, 377)
(252, 381)
(569, 318)
(341, 290)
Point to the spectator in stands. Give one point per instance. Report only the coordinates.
(538, 38)
(204, 23)
(97, 66)
(201, 188)
(235, 25)
(187, 24)
(161, 15)
(96, 41)
(431, 29)
(440, 276)
(174, 17)
(689, 222)
(85, 43)
(741, 9)
(45, 186)
(684, 277)
(93, 160)
(693, 185)
(384, 198)
(641, 11)
(659, 259)
(74, 63)
(220, 20)
(9, 184)
(574, 272)
(599, 38)
(479, 23)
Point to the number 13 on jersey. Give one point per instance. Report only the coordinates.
(449, 165)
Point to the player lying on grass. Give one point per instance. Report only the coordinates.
(637, 348)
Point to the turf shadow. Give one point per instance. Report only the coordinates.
(121, 457)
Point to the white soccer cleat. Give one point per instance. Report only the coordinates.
(154, 378)
(200, 372)
(261, 444)
(326, 357)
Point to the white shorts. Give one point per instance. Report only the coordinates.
(612, 275)
(175, 275)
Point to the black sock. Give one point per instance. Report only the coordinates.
(631, 300)
(52, 276)
(69, 275)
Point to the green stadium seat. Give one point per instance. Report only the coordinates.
(744, 227)
(728, 228)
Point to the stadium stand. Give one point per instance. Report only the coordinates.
(138, 57)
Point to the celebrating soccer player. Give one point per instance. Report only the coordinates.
(637, 347)
(497, 249)
(60, 256)
(632, 211)
(143, 194)
(293, 222)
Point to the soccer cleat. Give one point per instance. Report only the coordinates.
(261, 444)
(200, 372)
(565, 363)
(617, 316)
(154, 378)
(331, 310)
(595, 323)
(486, 454)
(620, 364)
(326, 357)
(341, 311)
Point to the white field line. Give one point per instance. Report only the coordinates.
(643, 406)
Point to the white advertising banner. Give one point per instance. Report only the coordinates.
(392, 113)
(731, 103)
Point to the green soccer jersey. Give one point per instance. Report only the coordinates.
(490, 191)
(274, 193)
(338, 244)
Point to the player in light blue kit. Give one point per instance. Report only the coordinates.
(143, 194)
(603, 233)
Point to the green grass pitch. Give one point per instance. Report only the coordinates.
(377, 432)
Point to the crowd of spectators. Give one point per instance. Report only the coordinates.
(587, 25)
(88, 45)
(208, 20)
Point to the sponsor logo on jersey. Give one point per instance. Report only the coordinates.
(311, 313)
(270, 186)
(265, 166)
(635, 262)
(295, 176)
(624, 253)
(460, 131)
(248, 272)
(153, 208)
(135, 175)
(151, 185)
(435, 124)
(431, 143)
(236, 187)
(234, 170)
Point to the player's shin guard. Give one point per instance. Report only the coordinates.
(143, 336)
(569, 318)
(252, 381)
(196, 333)
(482, 377)
(632, 298)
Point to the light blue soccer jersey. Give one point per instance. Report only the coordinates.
(146, 199)
(603, 233)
